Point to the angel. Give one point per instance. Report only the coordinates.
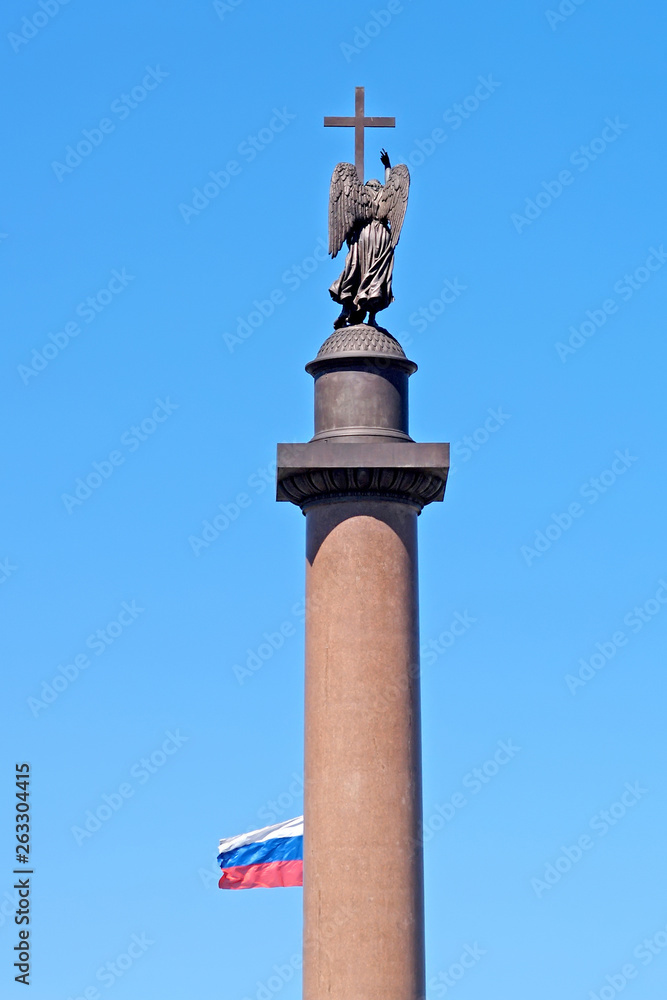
(369, 218)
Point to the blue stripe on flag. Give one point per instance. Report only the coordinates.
(276, 849)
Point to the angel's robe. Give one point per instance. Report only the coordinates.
(365, 283)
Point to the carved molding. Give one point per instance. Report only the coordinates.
(415, 486)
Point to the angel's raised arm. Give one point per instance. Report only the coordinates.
(386, 163)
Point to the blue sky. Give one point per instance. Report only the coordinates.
(530, 289)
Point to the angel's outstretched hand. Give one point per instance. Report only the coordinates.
(384, 159)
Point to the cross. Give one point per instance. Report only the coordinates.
(360, 122)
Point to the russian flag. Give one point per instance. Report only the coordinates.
(263, 859)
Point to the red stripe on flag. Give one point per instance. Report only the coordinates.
(271, 875)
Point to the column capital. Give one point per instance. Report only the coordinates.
(326, 471)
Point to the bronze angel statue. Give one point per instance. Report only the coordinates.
(369, 218)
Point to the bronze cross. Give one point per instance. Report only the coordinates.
(360, 122)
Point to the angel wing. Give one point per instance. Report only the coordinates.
(349, 203)
(394, 199)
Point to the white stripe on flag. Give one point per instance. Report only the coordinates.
(288, 828)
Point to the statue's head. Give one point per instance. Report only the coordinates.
(373, 184)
